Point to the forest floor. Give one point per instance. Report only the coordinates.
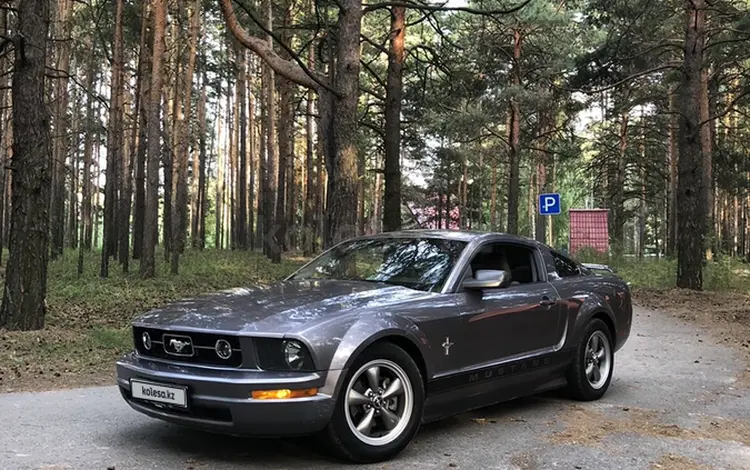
(87, 323)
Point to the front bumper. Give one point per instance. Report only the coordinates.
(220, 400)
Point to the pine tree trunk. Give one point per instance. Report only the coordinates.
(114, 146)
(5, 131)
(62, 127)
(642, 213)
(361, 192)
(97, 189)
(285, 136)
(171, 104)
(340, 131)
(540, 227)
(377, 211)
(219, 165)
(199, 170)
(707, 147)
(86, 196)
(242, 167)
(309, 218)
(202, 187)
(71, 230)
(150, 226)
(493, 197)
(126, 180)
(180, 187)
(232, 137)
(550, 187)
(691, 215)
(24, 304)
(464, 216)
(290, 241)
(393, 97)
(617, 224)
(251, 197)
(272, 165)
(673, 157)
(143, 85)
(514, 138)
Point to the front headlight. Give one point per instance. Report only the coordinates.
(283, 355)
(294, 354)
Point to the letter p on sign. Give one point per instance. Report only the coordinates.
(549, 204)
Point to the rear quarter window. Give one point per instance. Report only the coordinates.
(564, 266)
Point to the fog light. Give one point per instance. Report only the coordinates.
(146, 339)
(283, 394)
(223, 349)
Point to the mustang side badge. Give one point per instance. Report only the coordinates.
(447, 345)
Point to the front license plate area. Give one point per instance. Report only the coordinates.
(159, 393)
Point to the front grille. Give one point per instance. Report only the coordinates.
(188, 347)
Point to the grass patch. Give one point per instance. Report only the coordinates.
(90, 300)
(87, 322)
(725, 275)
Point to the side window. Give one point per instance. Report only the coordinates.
(564, 266)
(517, 260)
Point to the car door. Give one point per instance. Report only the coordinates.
(508, 322)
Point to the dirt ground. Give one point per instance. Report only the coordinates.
(724, 315)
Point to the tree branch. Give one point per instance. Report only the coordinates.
(377, 46)
(728, 109)
(422, 7)
(374, 75)
(293, 71)
(624, 80)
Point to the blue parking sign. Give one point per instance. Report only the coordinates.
(549, 204)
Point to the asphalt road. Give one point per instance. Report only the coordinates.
(674, 394)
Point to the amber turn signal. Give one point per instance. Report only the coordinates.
(283, 394)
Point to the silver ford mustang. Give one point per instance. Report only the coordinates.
(378, 335)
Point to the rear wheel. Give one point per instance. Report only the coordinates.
(379, 408)
(590, 373)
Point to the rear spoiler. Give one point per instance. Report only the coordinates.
(598, 267)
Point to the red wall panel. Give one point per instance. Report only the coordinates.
(589, 228)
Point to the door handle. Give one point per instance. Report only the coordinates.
(547, 302)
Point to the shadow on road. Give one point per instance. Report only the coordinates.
(199, 448)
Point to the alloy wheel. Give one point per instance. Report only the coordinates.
(379, 402)
(598, 360)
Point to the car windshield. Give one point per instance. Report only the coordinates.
(417, 263)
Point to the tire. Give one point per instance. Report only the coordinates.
(341, 435)
(583, 386)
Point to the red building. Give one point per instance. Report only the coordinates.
(589, 228)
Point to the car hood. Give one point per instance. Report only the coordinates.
(282, 308)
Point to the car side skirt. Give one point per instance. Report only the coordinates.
(478, 388)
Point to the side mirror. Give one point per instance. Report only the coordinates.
(487, 279)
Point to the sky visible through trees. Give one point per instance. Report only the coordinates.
(161, 126)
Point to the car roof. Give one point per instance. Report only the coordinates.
(448, 234)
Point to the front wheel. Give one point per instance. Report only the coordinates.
(590, 373)
(379, 408)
